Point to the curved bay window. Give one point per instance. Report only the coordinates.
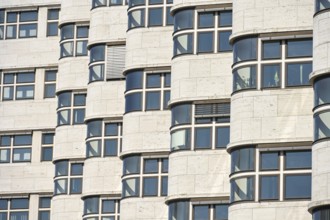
(322, 213)
(321, 125)
(101, 208)
(144, 176)
(147, 91)
(103, 138)
(282, 63)
(149, 13)
(212, 35)
(200, 126)
(280, 175)
(74, 39)
(321, 5)
(322, 91)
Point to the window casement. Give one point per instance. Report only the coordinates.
(104, 138)
(321, 5)
(71, 108)
(44, 208)
(264, 63)
(74, 39)
(101, 208)
(147, 91)
(18, 24)
(106, 62)
(68, 177)
(15, 148)
(145, 176)
(149, 13)
(17, 85)
(50, 83)
(47, 144)
(104, 3)
(200, 126)
(14, 208)
(277, 175)
(52, 21)
(198, 31)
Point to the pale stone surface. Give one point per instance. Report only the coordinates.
(67, 207)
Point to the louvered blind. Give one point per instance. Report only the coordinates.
(212, 110)
(115, 62)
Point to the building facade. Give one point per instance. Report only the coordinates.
(164, 109)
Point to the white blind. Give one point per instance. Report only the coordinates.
(115, 61)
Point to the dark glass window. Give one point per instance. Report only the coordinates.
(271, 49)
(181, 114)
(183, 44)
(64, 99)
(223, 41)
(322, 213)
(132, 3)
(108, 206)
(153, 2)
(242, 160)
(22, 140)
(78, 116)
(111, 129)
(150, 166)
(53, 14)
(46, 153)
(245, 49)
(297, 186)
(76, 185)
(153, 80)
(67, 32)
(131, 187)
(134, 80)
(110, 147)
(201, 212)
(269, 161)
(98, 3)
(44, 202)
(152, 100)
(94, 128)
(136, 18)
(268, 187)
(27, 30)
(76, 169)
(19, 204)
(203, 138)
(28, 16)
(96, 72)
(322, 91)
(155, 17)
(298, 74)
(48, 138)
(131, 165)
(321, 5)
(133, 102)
(79, 100)
(244, 78)
(180, 139)
(169, 17)
(222, 137)
(321, 125)
(299, 48)
(298, 160)
(150, 186)
(242, 189)
(82, 31)
(164, 165)
(225, 19)
(205, 42)
(179, 210)
(183, 20)
(91, 205)
(164, 185)
(97, 53)
(271, 75)
(221, 212)
(61, 168)
(206, 20)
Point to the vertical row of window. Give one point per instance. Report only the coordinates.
(68, 177)
(208, 34)
(144, 176)
(47, 145)
(71, 108)
(15, 208)
(278, 63)
(101, 208)
(149, 13)
(147, 91)
(52, 21)
(103, 3)
(21, 24)
(200, 126)
(44, 208)
(104, 139)
(74, 39)
(281, 175)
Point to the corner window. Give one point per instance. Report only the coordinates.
(15, 148)
(52, 22)
(101, 207)
(242, 189)
(74, 39)
(50, 83)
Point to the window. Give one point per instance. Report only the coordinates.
(15, 208)
(52, 21)
(15, 148)
(147, 91)
(321, 91)
(319, 6)
(209, 25)
(44, 208)
(145, 176)
(19, 24)
(280, 175)
(50, 83)
(209, 125)
(71, 108)
(68, 177)
(103, 138)
(321, 125)
(47, 144)
(74, 39)
(322, 213)
(18, 85)
(106, 62)
(282, 63)
(101, 207)
(103, 3)
(149, 13)
(179, 210)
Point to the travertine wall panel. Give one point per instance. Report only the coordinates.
(66, 207)
(75, 10)
(22, 3)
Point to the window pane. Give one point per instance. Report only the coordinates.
(221, 212)
(242, 189)
(183, 19)
(150, 166)
(297, 186)
(181, 114)
(322, 125)
(116, 2)
(8, 93)
(205, 42)
(24, 92)
(76, 185)
(46, 153)
(242, 160)
(5, 140)
(322, 213)
(152, 2)
(153, 81)
(94, 128)
(108, 206)
(222, 138)
(245, 49)
(169, 17)
(63, 117)
(19, 203)
(52, 28)
(300, 48)
(167, 97)
(136, 2)
(28, 16)
(61, 168)
(22, 155)
(93, 148)
(133, 102)
(81, 49)
(111, 147)
(53, 14)
(44, 215)
(205, 20)
(322, 91)
(11, 17)
(269, 161)
(271, 49)
(79, 100)
(164, 165)
(180, 139)
(91, 205)
(225, 19)
(96, 73)
(50, 75)
(78, 116)
(98, 3)
(298, 74)
(155, 16)
(4, 155)
(2, 33)
(97, 53)
(27, 30)
(244, 78)
(269, 187)
(82, 31)
(150, 186)
(64, 99)
(131, 165)
(298, 160)
(66, 49)
(321, 5)
(2, 16)
(50, 90)
(179, 211)
(152, 100)
(8, 78)
(131, 187)
(183, 44)
(67, 32)
(271, 75)
(201, 212)
(223, 41)
(136, 18)
(76, 169)
(61, 186)
(44, 202)
(111, 129)
(11, 31)
(3, 204)
(203, 138)
(20, 140)
(19, 215)
(134, 80)
(164, 185)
